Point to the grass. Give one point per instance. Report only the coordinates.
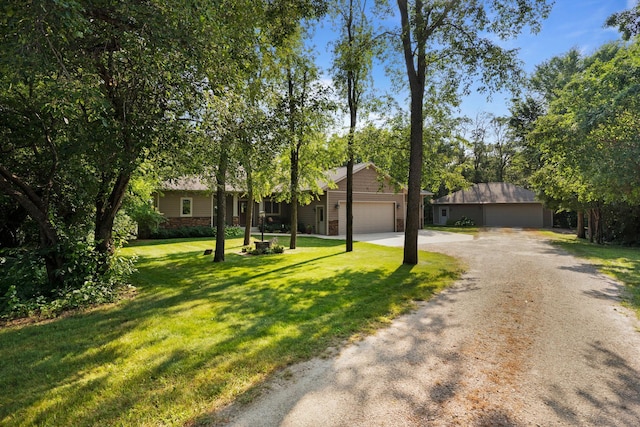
(619, 262)
(199, 335)
(473, 230)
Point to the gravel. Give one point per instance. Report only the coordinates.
(529, 336)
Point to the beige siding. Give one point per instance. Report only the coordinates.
(306, 215)
(366, 181)
(170, 204)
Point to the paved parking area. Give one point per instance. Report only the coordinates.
(397, 239)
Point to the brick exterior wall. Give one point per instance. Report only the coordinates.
(333, 227)
(400, 224)
(186, 222)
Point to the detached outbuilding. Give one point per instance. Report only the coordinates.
(493, 204)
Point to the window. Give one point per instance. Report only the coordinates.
(186, 206)
(444, 212)
(271, 207)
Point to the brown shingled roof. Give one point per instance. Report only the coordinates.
(192, 183)
(338, 174)
(492, 192)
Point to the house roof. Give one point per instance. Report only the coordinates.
(338, 174)
(193, 183)
(492, 192)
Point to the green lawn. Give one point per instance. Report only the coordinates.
(199, 335)
(474, 230)
(619, 262)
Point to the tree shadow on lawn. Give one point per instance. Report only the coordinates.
(303, 241)
(622, 263)
(156, 359)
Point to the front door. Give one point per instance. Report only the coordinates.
(320, 220)
(242, 213)
(444, 215)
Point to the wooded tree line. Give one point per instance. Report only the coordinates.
(94, 95)
(100, 100)
(581, 124)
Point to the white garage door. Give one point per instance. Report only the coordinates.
(368, 217)
(526, 215)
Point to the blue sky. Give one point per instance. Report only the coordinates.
(571, 24)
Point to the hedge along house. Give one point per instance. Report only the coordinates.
(494, 204)
(379, 205)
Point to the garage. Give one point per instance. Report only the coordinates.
(368, 217)
(512, 215)
(494, 204)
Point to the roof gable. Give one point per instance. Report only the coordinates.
(339, 174)
(492, 192)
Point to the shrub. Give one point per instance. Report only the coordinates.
(124, 228)
(464, 222)
(24, 290)
(148, 219)
(275, 226)
(232, 232)
(196, 231)
(181, 232)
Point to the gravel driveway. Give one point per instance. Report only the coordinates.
(528, 336)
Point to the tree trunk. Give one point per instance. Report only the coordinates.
(106, 210)
(416, 73)
(353, 121)
(415, 179)
(295, 156)
(590, 225)
(38, 210)
(249, 211)
(249, 218)
(294, 198)
(349, 247)
(598, 225)
(221, 204)
(53, 260)
(580, 226)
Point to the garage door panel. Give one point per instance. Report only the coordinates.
(368, 217)
(513, 216)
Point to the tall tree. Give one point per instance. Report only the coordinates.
(353, 59)
(589, 136)
(479, 148)
(523, 114)
(503, 147)
(304, 110)
(447, 37)
(258, 148)
(98, 87)
(123, 70)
